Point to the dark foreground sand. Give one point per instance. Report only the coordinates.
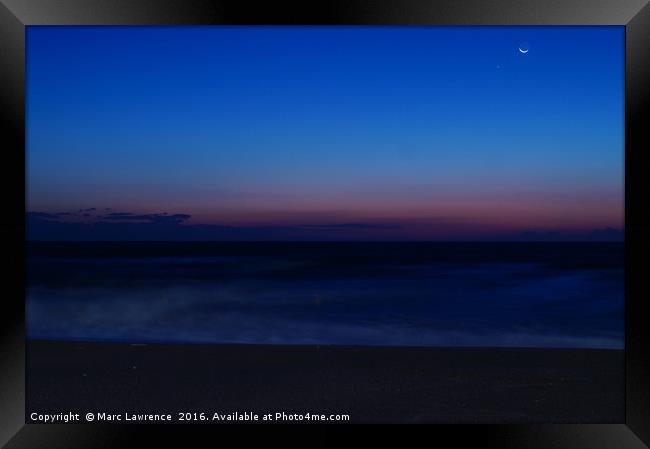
(370, 384)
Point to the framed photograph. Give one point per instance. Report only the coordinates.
(339, 213)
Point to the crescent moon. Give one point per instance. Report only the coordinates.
(523, 51)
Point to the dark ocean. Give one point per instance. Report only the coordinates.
(415, 294)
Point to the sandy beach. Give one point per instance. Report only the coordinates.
(371, 384)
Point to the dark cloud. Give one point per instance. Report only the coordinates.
(119, 215)
(42, 216)
(60, 215)
(163, 226)
(596, 235)
(608, 234)
(336, 226)
(147, 218)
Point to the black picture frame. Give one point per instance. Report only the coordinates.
(15, 15)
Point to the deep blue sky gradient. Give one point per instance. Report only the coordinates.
(420, 132)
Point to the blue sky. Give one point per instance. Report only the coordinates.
(416, 132)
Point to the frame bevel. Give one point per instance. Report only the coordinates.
(15, 15)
